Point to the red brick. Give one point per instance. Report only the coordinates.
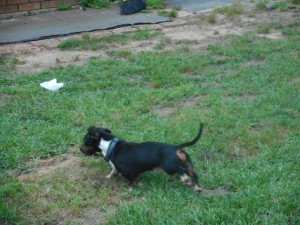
(49, 4)
(38, 0)
(8, 9)
(29, 6)
(2, 2)
(14, 2)
(72, 2)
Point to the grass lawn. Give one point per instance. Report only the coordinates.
(245, 90)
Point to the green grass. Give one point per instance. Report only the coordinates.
(245, 90)
(295, 1)
(62, 6)
(156, 4)
(279, 5)
(96, 4)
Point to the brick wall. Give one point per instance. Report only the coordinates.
(12, 6)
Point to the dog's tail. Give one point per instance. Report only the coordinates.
(194, 140)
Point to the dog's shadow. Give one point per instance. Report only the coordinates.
(218, 191)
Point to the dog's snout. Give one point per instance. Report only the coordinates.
(82, 149)
(87, 150)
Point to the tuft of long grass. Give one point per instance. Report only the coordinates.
(261, 4)
(156, 4)
(92, 42)
(264, 28)
(62, 6)
(296, 1)
(96, 4)
(233, 10)
(211, 17)
(279, 5)
(171, 13)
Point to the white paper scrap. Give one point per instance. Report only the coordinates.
(52, 85)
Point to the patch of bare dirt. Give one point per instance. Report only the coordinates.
(47, 167)
(166, 111)
(41, 55)
(74, 174)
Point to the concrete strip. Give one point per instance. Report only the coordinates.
(62, 23)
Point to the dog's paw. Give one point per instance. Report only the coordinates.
(140, 184)
(197, 188)
(108, 176)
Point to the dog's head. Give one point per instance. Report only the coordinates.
(92, 139)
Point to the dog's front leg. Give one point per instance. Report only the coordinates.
(113, 172)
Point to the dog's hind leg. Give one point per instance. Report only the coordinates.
(130, 176)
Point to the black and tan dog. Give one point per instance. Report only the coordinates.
(131, 159)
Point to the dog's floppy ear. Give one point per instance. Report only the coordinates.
(92, 129)
(107, 130)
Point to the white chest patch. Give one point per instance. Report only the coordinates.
(103, 145)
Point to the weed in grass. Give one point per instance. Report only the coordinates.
(36, 65)
(144, 34)
(296, 1)
(184, 41)
(94, 43)
(162, 44)
(15, 61)
(295, 23)
(211, 17)
(183, 49)
(156, 4)
(264, 28)
(168, 13)
(119, 53)
(70, 43)
(290, 31)
(76, 58)
(177, 7)
(279, 6)
(96, 4)
(4, 58)
(232, 10)
(261, 4)
(277, 25)
(29, 13)
(26, 52)
(43, 11)
(57, 60)
(63, 6)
